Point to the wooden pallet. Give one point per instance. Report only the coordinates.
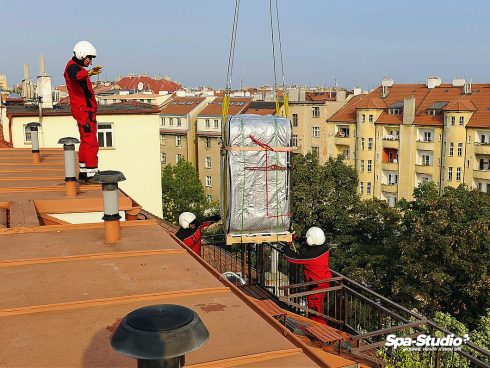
(258, 238)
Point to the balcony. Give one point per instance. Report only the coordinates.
(391, 141)
(425, 145)
(482, 148)
(390, 165)
(481, 174)
(424, 168)
(389, 187)
(342, 138)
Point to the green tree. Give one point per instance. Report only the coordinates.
(323, 196)
(181, 191)
(445, 252)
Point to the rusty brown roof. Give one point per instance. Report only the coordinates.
(64, 290)
(446, 95)
(237, 105)
(181, 106)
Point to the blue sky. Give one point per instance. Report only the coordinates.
(355, 42)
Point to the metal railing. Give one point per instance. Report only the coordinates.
(349, 306)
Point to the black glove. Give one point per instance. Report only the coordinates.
(86, 128)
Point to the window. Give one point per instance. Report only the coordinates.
(178, 140)
(362, 144)
(343, 132)
(163, 140)
(371, 118)
(427, 136)
(294, 140)
(209, 197)
(346, 153)
(446, 121)
(363, 118)
(451, 149)
(163, 157)
(216, 123)
(449, 173)
(460, 149)
(208, 162)
(315, 132)
(394, 111)
(162, 121)
(207, 124)
(362, 187)
(178, 157)
(207, 142)
(458, 174)
(315, 151)
(392, 179)
(362, 165)
(316, 111)
(453, 120)
(426, 160)
(295, 120)
(104, 135)
(27, 134)
(179, 122)
(368, 187)
(461, 120)
(370, 144)
(170, 121)
(208, 181)
(369, 165)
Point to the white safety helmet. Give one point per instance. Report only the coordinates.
(83, 49)
(315, 236)
(185, 219)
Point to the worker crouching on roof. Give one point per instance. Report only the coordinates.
(84, 107)
(313, 255)
(190, 229)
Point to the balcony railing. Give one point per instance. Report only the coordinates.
(342, 135)
(367, 316)
(390, 137)
(482, 143)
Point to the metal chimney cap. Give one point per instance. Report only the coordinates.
(109, 177)
(159, 332)
(68, 140)
(33, 124)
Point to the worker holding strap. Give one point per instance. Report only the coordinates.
(313, 255)
(190, 229)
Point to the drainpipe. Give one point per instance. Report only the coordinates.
(70, 172)
(36, 156)
(159, 336)
(112, 226)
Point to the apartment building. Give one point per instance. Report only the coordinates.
(208, 150)
(400, 135)
(178, 129)
(308, 116)
(128, 142)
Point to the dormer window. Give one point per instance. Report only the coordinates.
(396, 108)
(436, 108)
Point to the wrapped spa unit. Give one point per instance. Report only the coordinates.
(255, 167)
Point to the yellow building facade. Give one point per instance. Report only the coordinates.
(403, 135)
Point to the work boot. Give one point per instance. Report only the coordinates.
(82, 176)
(91, 181)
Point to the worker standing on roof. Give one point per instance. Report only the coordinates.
(190, 229)
(84, 107)
(313, 255)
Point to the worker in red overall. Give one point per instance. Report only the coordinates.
(313, 255)
(84, 107)
(190, 229)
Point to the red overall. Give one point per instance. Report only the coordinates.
(315, 267)
(192, 237)
(83, 109)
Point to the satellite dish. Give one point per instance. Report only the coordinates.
(140, 86)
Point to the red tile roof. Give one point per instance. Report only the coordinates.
(237, 105)
(131, 82)
(478, 101)
(181, 106)
(320, 96)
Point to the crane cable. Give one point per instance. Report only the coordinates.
(284, 91)
(229, 74)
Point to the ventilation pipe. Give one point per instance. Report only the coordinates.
(34, 128)
(159, 336)
(70, 172)
(112, 226)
